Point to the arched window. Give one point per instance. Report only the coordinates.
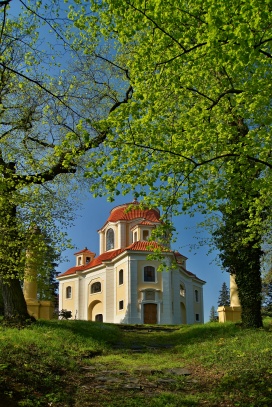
(121, 276)
(96, 287)
(182, 290)
(69, 292)
(196, 296)
(149, 273)
(110, 239)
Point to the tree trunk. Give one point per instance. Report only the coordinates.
(242, 258)
(15, 308)
(249, 284)
(12, 245)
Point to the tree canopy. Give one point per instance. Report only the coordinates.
(195, 131)
(48, 110)
(199, 99)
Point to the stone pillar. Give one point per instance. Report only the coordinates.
(234, 298)
(30, 288)
(233, 312)
(30, 281)
(38, 309)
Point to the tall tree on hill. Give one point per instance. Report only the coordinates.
(45, 133)
(197, 125)
(224, 296)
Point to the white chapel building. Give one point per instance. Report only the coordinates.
(121, 285)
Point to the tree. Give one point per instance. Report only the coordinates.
(45, 133)
(224, 296)
(244, 261)
(196, 125)
(267, 291)
(213, 315)
(267, 299)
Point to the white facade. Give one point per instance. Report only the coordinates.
(122, 285)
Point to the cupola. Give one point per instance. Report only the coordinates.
(84, 257)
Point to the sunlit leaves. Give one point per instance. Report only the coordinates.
(201, 78)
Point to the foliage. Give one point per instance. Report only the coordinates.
(49, 107)
(197, 123)
(224, 296)
(198, 105)
(229, 365)
(244, 261)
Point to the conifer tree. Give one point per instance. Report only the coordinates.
(224, 296)
(213, 315)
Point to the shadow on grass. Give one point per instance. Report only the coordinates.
(152, 336)
(107, 333)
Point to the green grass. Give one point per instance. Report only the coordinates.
(43, 365)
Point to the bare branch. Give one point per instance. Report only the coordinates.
(204, 162)
(228, 92)
(186, 51)
(38, 84)
(265, 53)
(3, 3)
(128, 96)
(156, 25)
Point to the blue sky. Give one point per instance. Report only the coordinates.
(94, 213)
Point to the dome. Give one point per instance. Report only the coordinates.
(131, 211)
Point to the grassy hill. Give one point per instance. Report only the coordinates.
(82, 364)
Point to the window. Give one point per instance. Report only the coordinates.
(110, 239)
(196, 296)
(99, 318)
(96, 287)
(149, 273)
(121, 277)
(145, 234)
(69, 292)
(121, 305)
(88, 259)
(197, 317)
(135, 237)
(79, 261)
(182, 290)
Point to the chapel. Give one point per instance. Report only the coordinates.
(122, 284)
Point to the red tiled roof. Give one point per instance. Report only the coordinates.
(104, 257)
(110, 255)
(178, 254)
(121, 212)
(87, 251)
(146, 246)
(72, 270)
(95, 262)
(146, 222)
